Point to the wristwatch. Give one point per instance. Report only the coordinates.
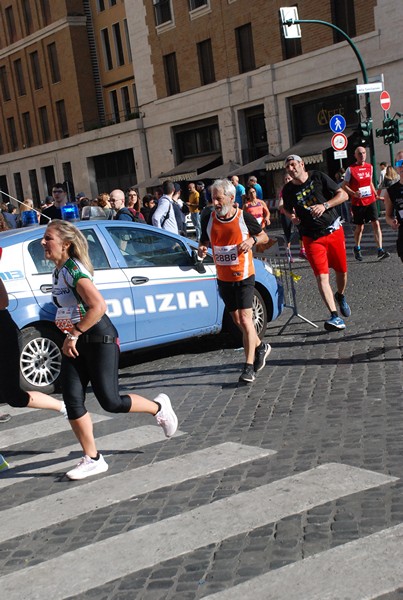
(326, 205)
(254, 238)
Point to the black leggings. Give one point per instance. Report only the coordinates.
(97, 363)
(10, 391)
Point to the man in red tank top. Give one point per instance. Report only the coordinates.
(231, 233)
(359, 186)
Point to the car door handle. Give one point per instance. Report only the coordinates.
(46, 288)
(139, 280)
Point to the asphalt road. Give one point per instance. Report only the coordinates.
(286, 488)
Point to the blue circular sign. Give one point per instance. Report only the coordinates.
(337, 123)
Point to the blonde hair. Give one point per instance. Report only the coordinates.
(78, 244)
(26, 205)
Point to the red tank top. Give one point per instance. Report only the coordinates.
(360, 180)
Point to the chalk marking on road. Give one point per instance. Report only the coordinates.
(112, 558)
(129, 439)
(40, 429)
(360, 570)
(83, 499)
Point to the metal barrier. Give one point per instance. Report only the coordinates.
(281, 268)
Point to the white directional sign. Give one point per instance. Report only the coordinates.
(290, 13)
(339, 141)
(340, 154)
(367, 88)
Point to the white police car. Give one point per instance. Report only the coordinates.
(156, 290)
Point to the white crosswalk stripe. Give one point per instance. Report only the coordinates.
(376, 570)
(112, 558)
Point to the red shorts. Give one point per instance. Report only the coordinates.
(327, 252)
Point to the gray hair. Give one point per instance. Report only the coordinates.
(226, 186)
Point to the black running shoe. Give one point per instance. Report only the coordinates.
(261, 353)
(248, 374)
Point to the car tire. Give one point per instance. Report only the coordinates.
(40, 358)
(260, 319)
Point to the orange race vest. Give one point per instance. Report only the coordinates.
(224, 238)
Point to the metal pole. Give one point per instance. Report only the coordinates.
(364, 75)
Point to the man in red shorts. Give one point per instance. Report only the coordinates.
(309, 201)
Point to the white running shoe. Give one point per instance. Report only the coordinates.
(63, 410)
(166, 417)
(87, 467)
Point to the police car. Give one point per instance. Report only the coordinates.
(156, 289)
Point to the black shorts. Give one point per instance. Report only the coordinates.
(237, 294)
(365, 214)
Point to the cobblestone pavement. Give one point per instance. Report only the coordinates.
(322, 398)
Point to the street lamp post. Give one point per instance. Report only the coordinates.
(290, 22)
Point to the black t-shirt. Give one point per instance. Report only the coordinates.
(52, 212)
(317, 189)
(395, 192)
(250, 222)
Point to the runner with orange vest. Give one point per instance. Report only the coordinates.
(232, 233)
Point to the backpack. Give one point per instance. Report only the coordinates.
(126, 211)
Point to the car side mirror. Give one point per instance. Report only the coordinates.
(198, 262)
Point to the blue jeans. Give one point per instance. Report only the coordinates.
(196, 222)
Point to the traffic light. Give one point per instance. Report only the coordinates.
(364, 130)
(398, 130)
(388, 131)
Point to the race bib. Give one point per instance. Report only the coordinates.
(66, 317)
(226, 255)
(365, 191)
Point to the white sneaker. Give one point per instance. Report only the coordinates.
(87, 467)
(166, 417)
(63, 410)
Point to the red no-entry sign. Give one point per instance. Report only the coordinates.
(385, 100)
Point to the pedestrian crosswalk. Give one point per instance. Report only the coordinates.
(74, 573)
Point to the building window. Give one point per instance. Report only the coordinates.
(100, 5)
(12, 133)
(26, 12)
(126, 101)
(343, 17)
(12, 34)
(62, 119)
(54, 63)
(36, 70)
(68, 180)
(129, 48)
(118, 44)
(193, 4)
(45, 10)
(1, 152)
(5, 89)
(163, 12)
(18, 187)
(171, 74)
(198, 140)
(33, 180)
(244, 47)
(28, 134)
(44, 121)
(206, 62)
(19, 77)
(112, 2)
(106, 49)
(113, 98)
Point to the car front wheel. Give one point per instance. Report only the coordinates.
(40, 358)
